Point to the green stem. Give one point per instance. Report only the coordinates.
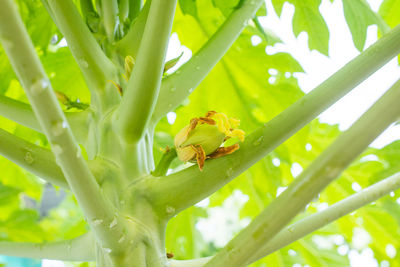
(31, 74)
(143, 86)
(189, 263)
(77, 249)
(19, 112)
(173, 189)
(163, 165)
(334, 212)
(196, 69)
(109, 9)
(33, 158)
(97, 69)
(22, 114)
(129, 45)
(123, 10)
(89, 14)
(134, 8)
(322, 171)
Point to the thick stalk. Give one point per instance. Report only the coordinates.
(31, 74)
(189, 263)
(19, 112)
(129, 45)
(109, 9)
(32, 158)
(134, 8)
(89, 14)
(78, 249)
(334, 212)
(139, 100)
(22, 114)
(196, 69)
(173, 189)
(123, 6)
(97, 69)
(310, 182)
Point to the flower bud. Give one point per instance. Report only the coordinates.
(203, 137)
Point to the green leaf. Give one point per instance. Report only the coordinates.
(7, 194)
(389, 10)
(359, 16)
(278, 5)
(308, 18)
(188, 7)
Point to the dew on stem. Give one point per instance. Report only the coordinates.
(29, 158)
(97, 222)
(57, 149)
(39, 86)
(258, 141)
(113, 223)
(58, 128)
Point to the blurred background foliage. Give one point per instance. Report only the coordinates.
(248, 84)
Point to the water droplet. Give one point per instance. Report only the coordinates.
(58, 128)
(197, 67)
(170, 209)
(97, 222)
(173, 89)
(7, 43)
(29, 158)
(39, 86)
(113, 222)
(258, 141)
(229, 172)
(78, 152)
(190, 90)
(57, 149)
(54, 39)
(84, 63)
(107, 250)
(291, 229)
(122, 239)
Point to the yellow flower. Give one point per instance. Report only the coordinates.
(203, 137)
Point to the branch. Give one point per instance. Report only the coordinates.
(109, 9)
(322, 171)
(138, 103)
(173, 189)
(77, 249)
(22, 114)
(89, 14)
(19, 112)
(129, 45)
(196, 69)
(334, 212)
(30, 72)
(97, 69)
(123, 6)
(33, 158)
(134, 8)
(189, 263)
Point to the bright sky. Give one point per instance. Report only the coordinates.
(317, 68)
